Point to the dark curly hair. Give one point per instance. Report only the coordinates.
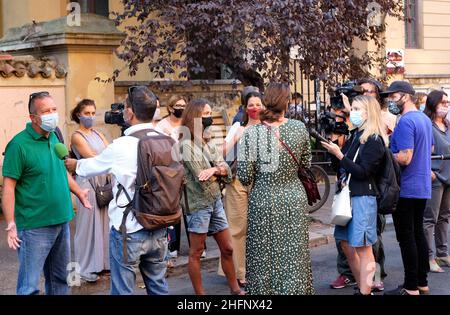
(80, 106)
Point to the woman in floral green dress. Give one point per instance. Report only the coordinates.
(278, 256)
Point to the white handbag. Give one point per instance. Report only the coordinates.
(341, 210)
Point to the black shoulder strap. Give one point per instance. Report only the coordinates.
(123, 224)
(59, 135)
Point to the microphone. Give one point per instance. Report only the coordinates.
(61, 151)
(318, 136)
(441, 157)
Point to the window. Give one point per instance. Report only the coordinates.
(100, 7)
(411, 24)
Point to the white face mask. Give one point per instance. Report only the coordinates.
(49, 122)
(157, 115)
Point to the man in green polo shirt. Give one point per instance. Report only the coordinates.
(36, 201)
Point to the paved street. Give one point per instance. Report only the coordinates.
(323, 262)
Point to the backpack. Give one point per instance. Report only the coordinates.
(388, 184)
(159, 184)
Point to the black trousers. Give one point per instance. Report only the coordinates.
(378, 252)
(408, 221)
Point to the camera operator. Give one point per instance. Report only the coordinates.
(374, 88)
(367, 87)
(115, 116)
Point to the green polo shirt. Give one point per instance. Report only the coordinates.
(42, 191)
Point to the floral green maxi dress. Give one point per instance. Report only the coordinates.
(278, 258)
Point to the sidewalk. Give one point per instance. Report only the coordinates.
(320, 233)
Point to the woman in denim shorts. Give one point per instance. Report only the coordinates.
(204, 166)
(369, 141)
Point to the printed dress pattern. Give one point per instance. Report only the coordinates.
(278, 256)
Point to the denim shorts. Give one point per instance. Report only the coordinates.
(209, 220)
(362, 228)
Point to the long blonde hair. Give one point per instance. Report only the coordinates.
(373, 124)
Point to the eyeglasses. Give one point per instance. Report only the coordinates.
(34, 95)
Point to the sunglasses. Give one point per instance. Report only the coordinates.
(130, 95)
(35, 95)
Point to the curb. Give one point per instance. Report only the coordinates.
(317, 238)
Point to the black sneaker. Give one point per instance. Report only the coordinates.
(399, 291)
(359, 293)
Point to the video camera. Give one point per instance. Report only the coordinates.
(329, 124)
(115, 116)
(346, 88)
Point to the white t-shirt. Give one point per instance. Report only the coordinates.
(234, 130)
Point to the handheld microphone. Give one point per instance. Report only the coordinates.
(318, 136)
(61, 151)
(441, 157)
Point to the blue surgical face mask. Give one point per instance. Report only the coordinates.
(422, 107)
(49, 122)
(356, 118)
(87, 122)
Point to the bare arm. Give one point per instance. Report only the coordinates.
(82, 146)
(404, 157)
(8, 202)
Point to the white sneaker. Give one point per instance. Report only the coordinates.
(203, 254)
(173, 254)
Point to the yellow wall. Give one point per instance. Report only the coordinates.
(433, 54)
(83, 67)
(14, 104)
(20, 12)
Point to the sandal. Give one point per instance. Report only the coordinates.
(443, 261)
(434, 267)
(240, 292)
(424, 291)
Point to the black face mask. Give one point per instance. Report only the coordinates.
(396, 107)
(178, 112)
(206, 122)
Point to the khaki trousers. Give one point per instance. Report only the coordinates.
(236, 206)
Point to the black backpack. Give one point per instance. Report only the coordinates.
(388, 184)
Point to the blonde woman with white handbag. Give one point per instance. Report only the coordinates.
(360, 159)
